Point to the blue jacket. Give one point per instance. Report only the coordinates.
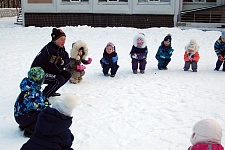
(43, 58)
(51, 133)
(164, 52)
(30, 98)
(139, 53)
(109, 59)
(219, 47)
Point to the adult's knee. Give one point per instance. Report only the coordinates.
(66, 75)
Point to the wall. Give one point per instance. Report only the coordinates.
(8, 12)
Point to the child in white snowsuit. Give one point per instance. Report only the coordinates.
(78, 56)
(207, 135)
(139, 53)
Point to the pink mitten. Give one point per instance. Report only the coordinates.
(81, 67)
(89, 60)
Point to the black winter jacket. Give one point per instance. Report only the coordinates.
(51, 133)
(43, 58)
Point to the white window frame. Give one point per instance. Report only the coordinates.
(75, 1)
(153, 1)
(194, 1)
(113, 1)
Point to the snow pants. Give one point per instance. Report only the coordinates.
(219, 63)
(28, 120)
(193, 65)
(107, 67)
(55, 81)
(162, 63)
(142, 63)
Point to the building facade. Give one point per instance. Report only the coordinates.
(102, 13)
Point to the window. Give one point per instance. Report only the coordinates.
(153, 0)
(201, 1)
(75, 0)
(113, 1)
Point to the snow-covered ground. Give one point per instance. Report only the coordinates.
(155, 110)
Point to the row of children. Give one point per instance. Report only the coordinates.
(139, 53)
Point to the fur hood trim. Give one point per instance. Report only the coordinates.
(75, 49)
(141, 36)
(193, 46)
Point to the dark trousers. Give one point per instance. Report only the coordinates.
(142, 63)
(28, 120)
(193, 65)
(162, 63)
(219, 63)
(55, 82)
(113, 68)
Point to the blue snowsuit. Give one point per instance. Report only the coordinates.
(109, 61)
(29, 104)
(163, 55)
(51, 133)
(55, 75)
(219, 48)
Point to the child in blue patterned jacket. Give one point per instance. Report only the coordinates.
(164, 53)
(219, 48)
(109, 60)
(30, 101)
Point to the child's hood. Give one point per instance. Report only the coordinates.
(75, 49)
(141, 36)
(192, 46)
(52, 122)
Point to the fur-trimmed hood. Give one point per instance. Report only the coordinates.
(141, 36)
(75, 49)
(193, 46)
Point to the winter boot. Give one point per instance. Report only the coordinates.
(22, 128)
(27, 132)
(55, 94)
(134, 71)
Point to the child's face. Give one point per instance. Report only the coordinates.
(109, 49)
(139, 44)
(190, 51)
(223, 39)
(80, 53)
(166, 43)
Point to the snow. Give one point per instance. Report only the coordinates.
(155, 110)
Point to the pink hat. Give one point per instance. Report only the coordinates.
(139, 40)
(110, 44)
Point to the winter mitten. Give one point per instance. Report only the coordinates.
(81, 67)
(60, 61)
(140, 57)
(89, 60)
(134, 56)
(56, 60)
(163, 57)
(220, 57)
